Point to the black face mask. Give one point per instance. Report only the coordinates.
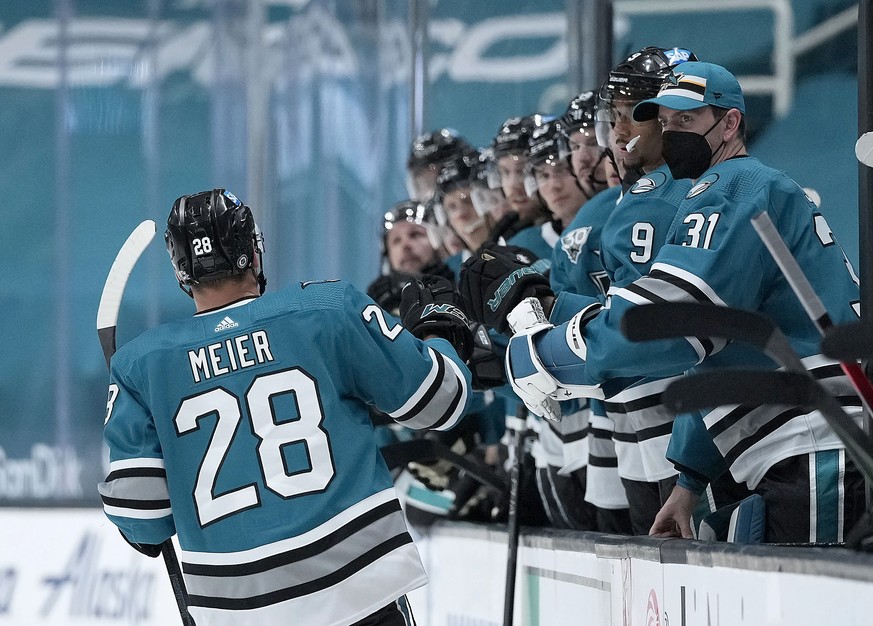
(687, 154)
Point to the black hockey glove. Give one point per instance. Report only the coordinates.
(486, 367)
(152, 551)
(494, 280)
(428, 306)
(386, 290)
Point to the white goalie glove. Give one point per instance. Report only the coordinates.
(527, 375)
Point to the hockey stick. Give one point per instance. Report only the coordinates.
(520, 435)
(850, 342)
(810, 301)
(725, 387)
(670, 320)
(107, 321)
(666, 320)
(414, 451)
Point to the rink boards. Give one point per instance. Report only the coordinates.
(69, 567)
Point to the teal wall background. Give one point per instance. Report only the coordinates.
(112, 110)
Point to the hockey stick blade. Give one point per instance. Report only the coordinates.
(708, 390)
(849, 342)
(107, 320)
(116, 281)
(756, 387)
(671, 320)
(427, 451)
(864, 149)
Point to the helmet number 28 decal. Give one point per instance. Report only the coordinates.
(202, 245)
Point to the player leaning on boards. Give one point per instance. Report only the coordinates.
(713, 255)
(244, 429)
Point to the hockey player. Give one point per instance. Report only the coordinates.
(577, 268)
(427, 491)
(712, 255)
(454, 204)
(509, 147)
(409, 249)
(629, 238)
(244, 430)
(429, 152)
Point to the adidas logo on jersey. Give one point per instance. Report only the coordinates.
(225, 324)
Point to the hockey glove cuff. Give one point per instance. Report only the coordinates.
(152, 551)
(528, 376)
(485, 366)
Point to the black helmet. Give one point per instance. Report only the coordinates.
(580, 112)
(512, 138)
(458, 172)
(212, 235)
(547, 145)
(429, 152)
(435, 148)
(414, 212)
(640, 75)
(408, 211)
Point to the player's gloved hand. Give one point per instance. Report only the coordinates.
(152, 551)
(527, 375)
(428, 306)
(386, 290)
(495, 279)
(485, 365)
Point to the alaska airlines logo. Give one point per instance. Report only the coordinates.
(702, 185)
(648, 183)
(653, 612)
(573, 242)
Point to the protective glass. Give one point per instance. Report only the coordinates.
(486, 200)
(536, 176)
(421, 183)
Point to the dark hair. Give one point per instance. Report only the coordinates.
(218, 283)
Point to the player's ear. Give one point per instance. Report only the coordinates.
(732, 121)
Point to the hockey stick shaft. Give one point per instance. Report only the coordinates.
(418, 450)
(808, 298)
(519, 437)
(107, 321)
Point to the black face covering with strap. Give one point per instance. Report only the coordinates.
(687, 154)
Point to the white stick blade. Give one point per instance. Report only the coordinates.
(128, 255)
(864, 149)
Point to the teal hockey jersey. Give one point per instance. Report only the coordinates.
(577, 266)
(631, 238)
(245, 431)
(539, 239)
(713, 255)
